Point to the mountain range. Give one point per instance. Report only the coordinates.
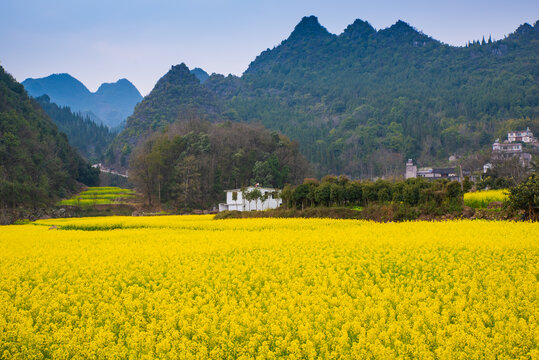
(111, 104)
(361, 102)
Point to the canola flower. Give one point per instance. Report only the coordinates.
(100, 196)
(481, 199)
(103, 190)
(189, 287)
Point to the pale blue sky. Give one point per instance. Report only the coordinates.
(101, 41)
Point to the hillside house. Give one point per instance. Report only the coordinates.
(235, 200)
(438, 173)
(506, 147)
(525, 136)
(411, 170)
(506, 150)
(430, 173)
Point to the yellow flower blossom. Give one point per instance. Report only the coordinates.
(190, 287)
(481, 199)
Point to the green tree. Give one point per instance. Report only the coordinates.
(525, 196)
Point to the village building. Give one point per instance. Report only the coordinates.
(411, 170)
(235, 199)
(103, 169)
(506, 147)
(438, 173)
(430, 173)
(505, 150)
(525, 136)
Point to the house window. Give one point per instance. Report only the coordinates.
(234, 195)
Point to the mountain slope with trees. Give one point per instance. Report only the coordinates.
(178, 93)
(361, 102)
(37, 164)
(111, 104)
(91, 139)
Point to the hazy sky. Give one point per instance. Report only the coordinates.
(102, 41)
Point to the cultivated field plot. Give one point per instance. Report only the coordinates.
(481, 199)
(189, 287)
(100, 196)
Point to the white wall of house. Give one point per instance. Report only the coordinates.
(524, 136)
(411, 170)
(507, 147)
(244, 205)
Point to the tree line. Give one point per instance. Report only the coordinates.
(191, 164)
(438, 196)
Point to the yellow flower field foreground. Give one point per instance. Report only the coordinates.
(189, 287)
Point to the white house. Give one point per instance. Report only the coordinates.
(525, 136)
(411, 170)
(235, 200)
(430, 173)
(438, 173)
(506, 147)
(506, 150)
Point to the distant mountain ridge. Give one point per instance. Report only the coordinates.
(361, 102)
(112, 103)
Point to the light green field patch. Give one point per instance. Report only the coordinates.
(100, 196)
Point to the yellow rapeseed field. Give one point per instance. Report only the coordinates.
(189, 287)
(481, 199)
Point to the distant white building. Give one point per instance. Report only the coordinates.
(506, 150)
(430, 173)
(411, 170)
(103, 169)
(525, 136)
(438, 173)
(506, 147)
(235, 200)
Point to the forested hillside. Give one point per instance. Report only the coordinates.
(177, 93)
(361, 102)
(37, 164)
(91, 139)
(190, 164)
(111, 104)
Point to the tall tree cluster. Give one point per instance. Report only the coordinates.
(190, 164)
(435, 197)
